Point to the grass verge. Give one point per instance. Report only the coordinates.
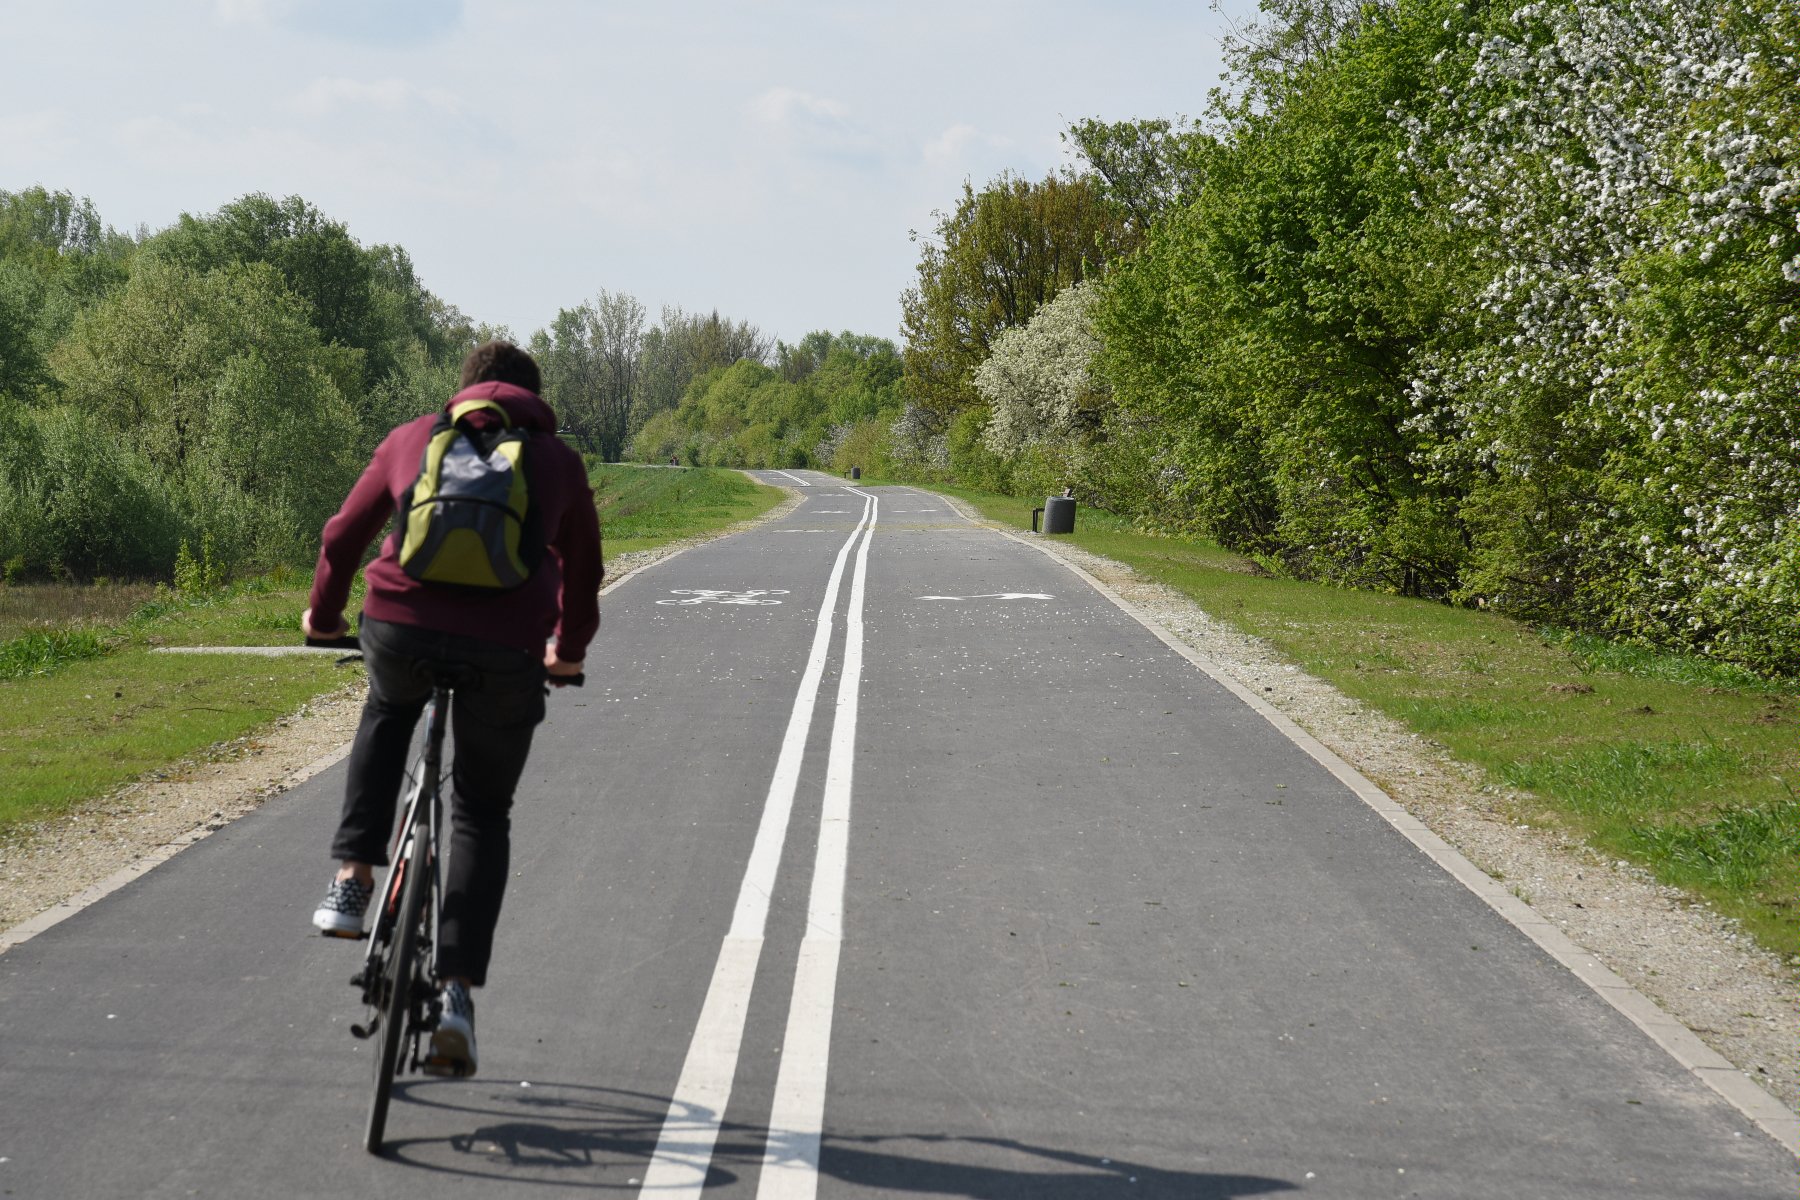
(645, 507)
(1682, 765)
(82, 724)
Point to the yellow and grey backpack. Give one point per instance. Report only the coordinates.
(468, 519)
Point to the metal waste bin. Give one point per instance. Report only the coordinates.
(856, 472)
(1059, 515)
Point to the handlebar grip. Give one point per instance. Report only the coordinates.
(348, 641)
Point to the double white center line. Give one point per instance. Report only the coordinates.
(684, 1149)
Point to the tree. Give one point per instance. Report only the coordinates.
(1038, 382)
(1001, 253)
(590, 358)
(220, 382)
(1146, 167)
(56, 257)
(685, 346)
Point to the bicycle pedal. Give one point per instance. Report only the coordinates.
(345, 934)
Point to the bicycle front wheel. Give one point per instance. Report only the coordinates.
(400, 973)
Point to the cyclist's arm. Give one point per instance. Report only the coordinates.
(360, 521)
(576, 542)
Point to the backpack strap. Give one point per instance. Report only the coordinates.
(484, 440)
(468, 406)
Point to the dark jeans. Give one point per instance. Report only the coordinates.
(491, 725)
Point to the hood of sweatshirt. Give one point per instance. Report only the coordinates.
(524, 408)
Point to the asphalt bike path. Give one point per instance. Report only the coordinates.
(881, 856)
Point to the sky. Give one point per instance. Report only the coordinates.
(769, 160)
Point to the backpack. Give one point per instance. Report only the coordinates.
(468, 520)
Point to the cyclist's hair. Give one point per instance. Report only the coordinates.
(501, 361)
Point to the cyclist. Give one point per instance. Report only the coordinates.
(515, 639)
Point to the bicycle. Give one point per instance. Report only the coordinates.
(397, 982)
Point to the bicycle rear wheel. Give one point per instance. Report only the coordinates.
(399, 975)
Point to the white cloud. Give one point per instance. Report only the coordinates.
(784, 106)
(330, 93)
(957, 144)
(28, 137)
(808, 126)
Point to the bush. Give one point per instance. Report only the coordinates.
(75, 502)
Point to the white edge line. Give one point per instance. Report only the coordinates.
(1676, 1039)
(1680, 1042)
(58, 913)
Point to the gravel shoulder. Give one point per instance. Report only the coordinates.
(1698, 966)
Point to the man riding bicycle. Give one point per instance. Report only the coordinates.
(514, 638)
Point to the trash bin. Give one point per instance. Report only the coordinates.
(1059, 515)
(856, 472)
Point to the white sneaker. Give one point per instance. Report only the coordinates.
(453, 1041)
(340, 914)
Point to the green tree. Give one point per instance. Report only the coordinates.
(56, 257)
(1002, 252)
(590, 357)
(684, 346)
(1146, 167)
(221, 383)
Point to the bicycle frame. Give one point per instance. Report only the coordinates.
(397, 981)
(416, 818)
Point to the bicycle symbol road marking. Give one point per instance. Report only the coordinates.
(724, 596)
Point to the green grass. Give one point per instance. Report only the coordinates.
(86, 723)
(644, 507)
(1678, 763)
(41, 653)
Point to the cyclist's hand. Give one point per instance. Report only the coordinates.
(558, 669)
(307, 627)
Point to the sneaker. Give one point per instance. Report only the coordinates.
(340, 914)
(453, 1041)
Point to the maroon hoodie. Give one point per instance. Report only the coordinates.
(561, 598)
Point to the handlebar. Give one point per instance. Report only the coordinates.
(352, 643)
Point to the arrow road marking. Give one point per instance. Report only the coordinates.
(987, 596)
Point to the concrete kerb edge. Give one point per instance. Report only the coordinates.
(1677, 1040)
(29, 928)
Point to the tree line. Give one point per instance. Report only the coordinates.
(204, 395)
(1496, 304)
